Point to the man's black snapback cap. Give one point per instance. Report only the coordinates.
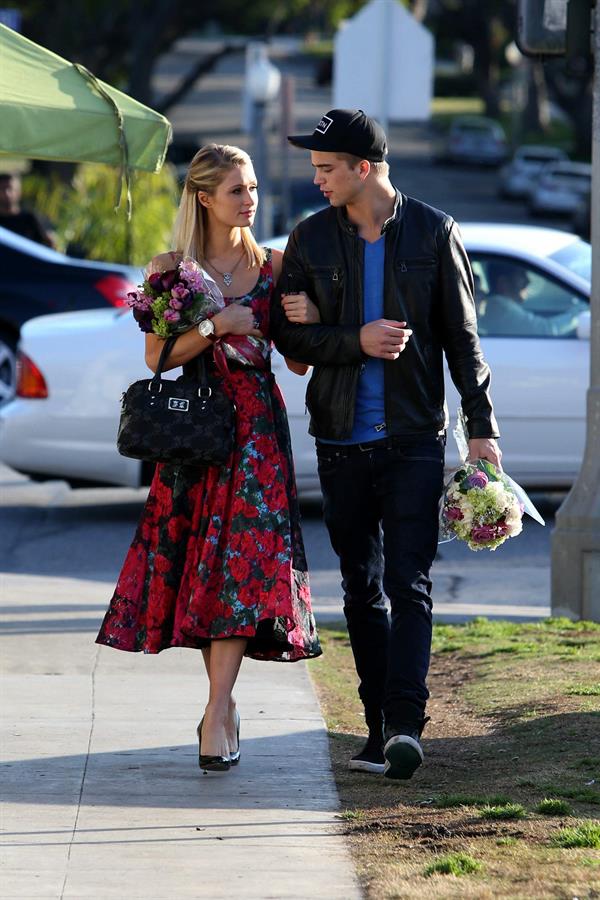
(346, 131)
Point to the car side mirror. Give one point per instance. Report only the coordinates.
(584, 325)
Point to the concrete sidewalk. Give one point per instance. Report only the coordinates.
(103, 795)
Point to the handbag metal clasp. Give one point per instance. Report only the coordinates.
(151, 385)
(204, 391)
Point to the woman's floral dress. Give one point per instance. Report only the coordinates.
(218, 551)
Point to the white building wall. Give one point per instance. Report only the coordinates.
(383, 63)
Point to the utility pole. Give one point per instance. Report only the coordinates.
(576, 538)
(565, 28)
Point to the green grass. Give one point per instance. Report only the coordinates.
(444, 109)
(453, 864)
(351, 815)
(448, 801)
(527, 742)
(585, 690)
(551, 806)
(506, 811)
(585, 835)
(549, 637)
(581, 795)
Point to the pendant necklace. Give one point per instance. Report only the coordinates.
(226, 276)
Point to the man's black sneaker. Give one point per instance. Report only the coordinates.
(402, 751)
(370, 758)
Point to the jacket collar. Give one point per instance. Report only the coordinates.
(348, 226)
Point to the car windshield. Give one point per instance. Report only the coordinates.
(535, 158)
(574, 177)
(577, 257)
(475, 128)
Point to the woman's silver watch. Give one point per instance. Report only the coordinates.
(206, 329)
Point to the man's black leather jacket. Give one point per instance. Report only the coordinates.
(427, 283)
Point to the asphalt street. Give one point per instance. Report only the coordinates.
(54, 532)
(213, 111)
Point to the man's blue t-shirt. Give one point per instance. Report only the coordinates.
(369, 412)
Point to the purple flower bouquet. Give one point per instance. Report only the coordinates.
(171, 302)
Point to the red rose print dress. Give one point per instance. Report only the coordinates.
(218, 551)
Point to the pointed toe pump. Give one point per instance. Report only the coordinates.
(210, 763)
(234, 757)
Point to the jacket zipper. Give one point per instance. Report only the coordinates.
(357, 283)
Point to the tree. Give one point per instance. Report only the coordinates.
(121, 41)
(489, 27)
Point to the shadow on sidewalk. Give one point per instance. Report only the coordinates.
(281, 771)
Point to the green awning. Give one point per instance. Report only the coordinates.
(56, 110)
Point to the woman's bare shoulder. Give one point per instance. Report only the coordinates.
(163, 261)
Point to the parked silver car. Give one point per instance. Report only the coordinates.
(560, 188)
(519, 177)
(475, 139)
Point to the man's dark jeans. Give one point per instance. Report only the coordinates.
(381, 509)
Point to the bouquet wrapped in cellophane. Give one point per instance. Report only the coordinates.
(481, 505)
(170, 302)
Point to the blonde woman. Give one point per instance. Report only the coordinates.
(218, 561)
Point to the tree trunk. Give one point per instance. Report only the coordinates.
(536, 115)
(574, 96)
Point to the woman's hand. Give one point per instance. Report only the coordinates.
(300, 309)
(235, 319)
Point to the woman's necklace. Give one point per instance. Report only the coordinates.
(226, 276)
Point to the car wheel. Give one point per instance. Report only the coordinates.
(8, 366)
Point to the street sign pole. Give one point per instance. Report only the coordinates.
(576, 538)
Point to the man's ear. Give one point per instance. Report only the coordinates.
(364, 167)
(204, 198)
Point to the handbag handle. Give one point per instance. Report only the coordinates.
(201, 368)
(156, 382)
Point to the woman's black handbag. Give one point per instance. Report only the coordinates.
(186, 422)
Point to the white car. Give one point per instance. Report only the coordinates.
(519, 177)
(84, 361)
(561, 188)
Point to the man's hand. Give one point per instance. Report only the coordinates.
(384, 338)
(300, 309)
(485, 448)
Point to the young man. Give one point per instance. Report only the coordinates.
(394, 290)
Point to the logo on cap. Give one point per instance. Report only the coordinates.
(324, 124)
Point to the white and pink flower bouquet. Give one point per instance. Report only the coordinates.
(481, 505)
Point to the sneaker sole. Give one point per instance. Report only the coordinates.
(362, 765)
(403, 756)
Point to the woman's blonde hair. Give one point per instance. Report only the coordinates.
(206, 171)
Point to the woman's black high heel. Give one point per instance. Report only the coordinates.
(210, 763)
(234, 758)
